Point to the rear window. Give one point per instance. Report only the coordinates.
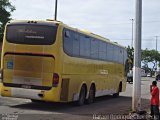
(31, 34)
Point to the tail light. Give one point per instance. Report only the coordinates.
(1, 75)
(55, 79)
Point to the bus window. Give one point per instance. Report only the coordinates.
(110, 52)
(85, 46)
(102, 50)
(121, 56)
(94, 49)
(31, 34)
(76, 45)
(68, 41)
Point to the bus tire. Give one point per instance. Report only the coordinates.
(91, 95)
(119, 90)
(82, 96)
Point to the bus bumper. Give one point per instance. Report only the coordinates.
(30, 94)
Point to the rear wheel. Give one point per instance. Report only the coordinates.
(91, 95)
(82, 96)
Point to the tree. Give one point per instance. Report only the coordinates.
(150, 56)
(130, 52)
(5, 15)
(155, 56)
(145, 57)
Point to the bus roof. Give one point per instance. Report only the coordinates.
(50, 22)
(93, 35)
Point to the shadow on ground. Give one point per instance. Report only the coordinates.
(102, 105)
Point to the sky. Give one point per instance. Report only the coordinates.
(108, 18)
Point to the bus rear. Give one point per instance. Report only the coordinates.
(28, 61)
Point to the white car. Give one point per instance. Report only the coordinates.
(149, 75)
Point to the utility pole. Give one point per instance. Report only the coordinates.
(156, 51)
(132, 32)
(136, 95)
(55, 15)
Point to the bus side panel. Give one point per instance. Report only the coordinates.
(80, 71)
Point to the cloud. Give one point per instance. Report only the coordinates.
(108, 18)
(34, 9)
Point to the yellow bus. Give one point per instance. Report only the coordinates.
(50, 61)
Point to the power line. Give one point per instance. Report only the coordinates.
(121, 23)
(131, 23)
(148, 40)
(151, 21)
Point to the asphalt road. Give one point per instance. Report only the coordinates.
(23, 109)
